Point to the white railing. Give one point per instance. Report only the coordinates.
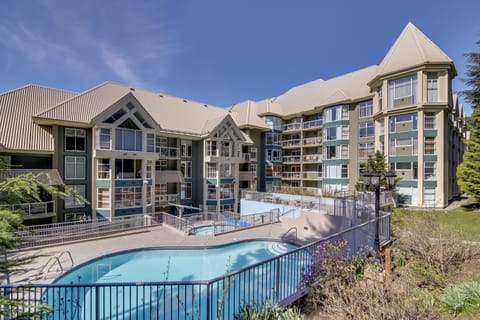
(53, 233)
(175, 222)
(34, 209)
(168, 152)
(312, 158)
(163, 199)
(291, 175)
(312, 175)
(292, 126)
(290, 159)
(312, 124)
(291, 142)
(312, 141)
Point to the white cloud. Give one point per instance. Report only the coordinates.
(120, 66)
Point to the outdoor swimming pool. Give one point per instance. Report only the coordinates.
(175, 283)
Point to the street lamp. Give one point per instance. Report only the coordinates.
(373, 180)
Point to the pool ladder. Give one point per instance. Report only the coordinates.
(288, 231)
(53, 261)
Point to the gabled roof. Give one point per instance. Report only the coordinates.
(412, 48)
(17, 129)
(170, 113)
(246, 115)
(345, 88)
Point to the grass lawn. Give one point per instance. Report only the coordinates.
(465, 221)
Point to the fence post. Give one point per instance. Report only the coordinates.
(277, 280)
(97, 302)
(208, 300)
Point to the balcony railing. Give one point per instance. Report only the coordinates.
(312, 175)
(312, 158)
(291, 175)
(246, 175)
(291, 159)
(168, 152)
(291, 143)
(312, 141)
(313, 124)
(35, 209)
(292, 126)
(164, 199)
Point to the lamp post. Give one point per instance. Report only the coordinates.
(373, 180)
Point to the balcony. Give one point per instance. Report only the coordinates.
(35, 210)
(312, 175)
(314, 141)
(168, 152)
(312, 158)
(246, 175)
(292, 159)
(313, 124)
(291, 175)
(296, 126)
(49, 176)
(291, 143)
(165, 199)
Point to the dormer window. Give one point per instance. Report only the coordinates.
(128, 136)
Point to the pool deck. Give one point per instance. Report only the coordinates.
(309, 226)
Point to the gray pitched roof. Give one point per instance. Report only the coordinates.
(412, 48)
(17, 130)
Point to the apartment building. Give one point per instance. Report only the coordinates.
(134, 151)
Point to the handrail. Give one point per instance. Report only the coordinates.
(69, 255)
(288, 231)
(56, 259)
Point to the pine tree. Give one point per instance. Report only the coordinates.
(468, 172)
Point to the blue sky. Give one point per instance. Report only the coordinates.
(216, 51)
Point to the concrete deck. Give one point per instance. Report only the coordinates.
(310, 226)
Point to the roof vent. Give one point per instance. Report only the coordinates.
(206, 106)
(132, 89)
(185, 100)
(161, 95)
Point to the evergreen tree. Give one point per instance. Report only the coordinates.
(375, 163)
(468, 172)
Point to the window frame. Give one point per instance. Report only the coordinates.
(77, 135)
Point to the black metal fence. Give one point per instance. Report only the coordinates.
(275, 281)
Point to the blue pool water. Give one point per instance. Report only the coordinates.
(210, 229)
(126, 285)
(149, 265)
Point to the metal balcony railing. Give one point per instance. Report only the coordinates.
(34, 209)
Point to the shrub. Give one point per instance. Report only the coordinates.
(459, 298)
(268, 312)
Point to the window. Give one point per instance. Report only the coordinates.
(161, 142)
(429, 120)
(429, 145)
(186, 168)
(226, 208)
(128, 139)
(402, 92)
(253, 154)
(344, 171)
(331, 133)
(344, 112)
(128, 168)
(103, 198)
(253, 168)
(75, 168)
(345, 132)
(365, 150)
(211, 147)
(148, 169)
(126, 197)
(117, 115)
(161, 165)
(226, 191)
(186, 190)
(366, 129)
(330, 152)
(227, 170)
(274, 155)
(344, 151)
(362, 168)
(103, 139)
(365, 109)
(227, 148)
(103, 168)
(186, 149)
(211, 170)
(72, 201)
(432, 87)
(403, 146)
(429, 171)
(142, 120)
(75, 139)
(150, 142)
(403, 122)
(211, 192)
(75, 216)
(406, 170)
(274, 138)
(273, 171)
